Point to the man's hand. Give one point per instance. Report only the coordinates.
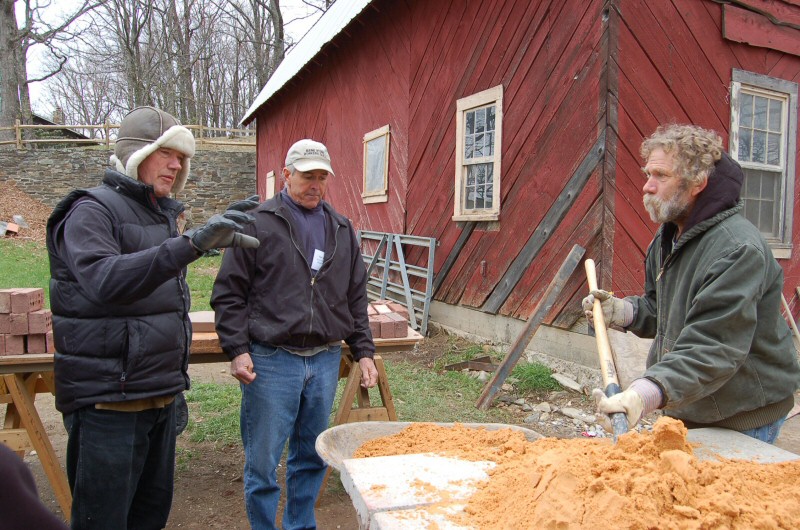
(616, 311)
(245, 204)
(369, 373)
(629, 402)
(242, 368)
(223, 230)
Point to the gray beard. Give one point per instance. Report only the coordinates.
(665, 211)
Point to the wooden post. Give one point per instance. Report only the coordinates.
(542, 308)
(18, 133)
(107, 131)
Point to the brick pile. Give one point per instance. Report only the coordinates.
(387, 319)
(25, 326)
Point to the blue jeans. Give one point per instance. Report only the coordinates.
(767, 433)
(120, 467)
(290, 398)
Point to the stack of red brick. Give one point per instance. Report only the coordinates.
(387, 319)
(25, 326)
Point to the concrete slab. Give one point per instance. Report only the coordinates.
(418, 518)
(732, 444)
(395, 483)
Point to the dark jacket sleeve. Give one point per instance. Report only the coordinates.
(92, 253)
(229, 298)
(360, 341)
(19, 501)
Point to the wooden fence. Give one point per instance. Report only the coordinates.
(205, 137)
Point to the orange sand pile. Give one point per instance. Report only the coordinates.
(645, 481)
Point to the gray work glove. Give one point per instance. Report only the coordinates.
(224, 230)
(616, 311)
(245, 204)
(629, 402)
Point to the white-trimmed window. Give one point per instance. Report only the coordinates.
(270, 187)
(479, 125)
(376, 166)
(763, 141)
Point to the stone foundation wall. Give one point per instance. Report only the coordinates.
(217, 177)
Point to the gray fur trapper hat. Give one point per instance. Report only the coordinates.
(142, 132)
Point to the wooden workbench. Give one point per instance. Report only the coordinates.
(24, 376)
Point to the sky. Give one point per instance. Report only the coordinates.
(295, 14)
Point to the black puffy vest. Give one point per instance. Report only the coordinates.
(118, 352)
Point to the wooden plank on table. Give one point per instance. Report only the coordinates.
(740, 25)
(30, 420)
(518, 348)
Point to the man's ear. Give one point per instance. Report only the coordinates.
(286, 174)
(698, 188)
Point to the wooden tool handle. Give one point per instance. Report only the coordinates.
(609, 372)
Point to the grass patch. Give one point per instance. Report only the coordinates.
(24, 264)
(214, 413)
(456, 353)
(184, 457)
(530, 377)
(200, 277)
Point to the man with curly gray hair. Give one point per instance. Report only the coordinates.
(722, 354)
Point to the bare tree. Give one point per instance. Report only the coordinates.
(15, 42)
(202, 60)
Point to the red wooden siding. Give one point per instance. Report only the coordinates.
(358, 83)
(545, 54)
(572, 73)
(675, 66)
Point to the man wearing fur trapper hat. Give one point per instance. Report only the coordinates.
(122, 332)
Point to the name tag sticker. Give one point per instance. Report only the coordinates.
(319, 257)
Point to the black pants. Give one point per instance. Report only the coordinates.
(120, 467)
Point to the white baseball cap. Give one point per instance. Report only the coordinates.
(308, 155)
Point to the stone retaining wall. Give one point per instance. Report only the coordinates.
(217, 177)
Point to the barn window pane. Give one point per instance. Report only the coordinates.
(760, 113)
(490, 118)
(471, 176)
(775, 115)
(774, 149)
(480, 120)
(376, 164)
(746, 115)
(479, 146)
(759, 146)
(745, 141)
(469, 146)
(469, 127)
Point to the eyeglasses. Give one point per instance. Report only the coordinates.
(658, 175)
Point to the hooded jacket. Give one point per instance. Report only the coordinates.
(722, 353)
(269, 294)
(118, 294)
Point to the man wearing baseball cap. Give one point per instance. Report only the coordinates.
(120, 307)
(282, 310)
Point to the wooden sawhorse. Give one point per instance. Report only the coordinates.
(363, 411)
(23, 429)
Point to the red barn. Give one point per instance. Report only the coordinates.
(512, 131)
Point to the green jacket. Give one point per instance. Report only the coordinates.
(722, 352)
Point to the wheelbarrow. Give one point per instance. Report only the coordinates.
(339, 443)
